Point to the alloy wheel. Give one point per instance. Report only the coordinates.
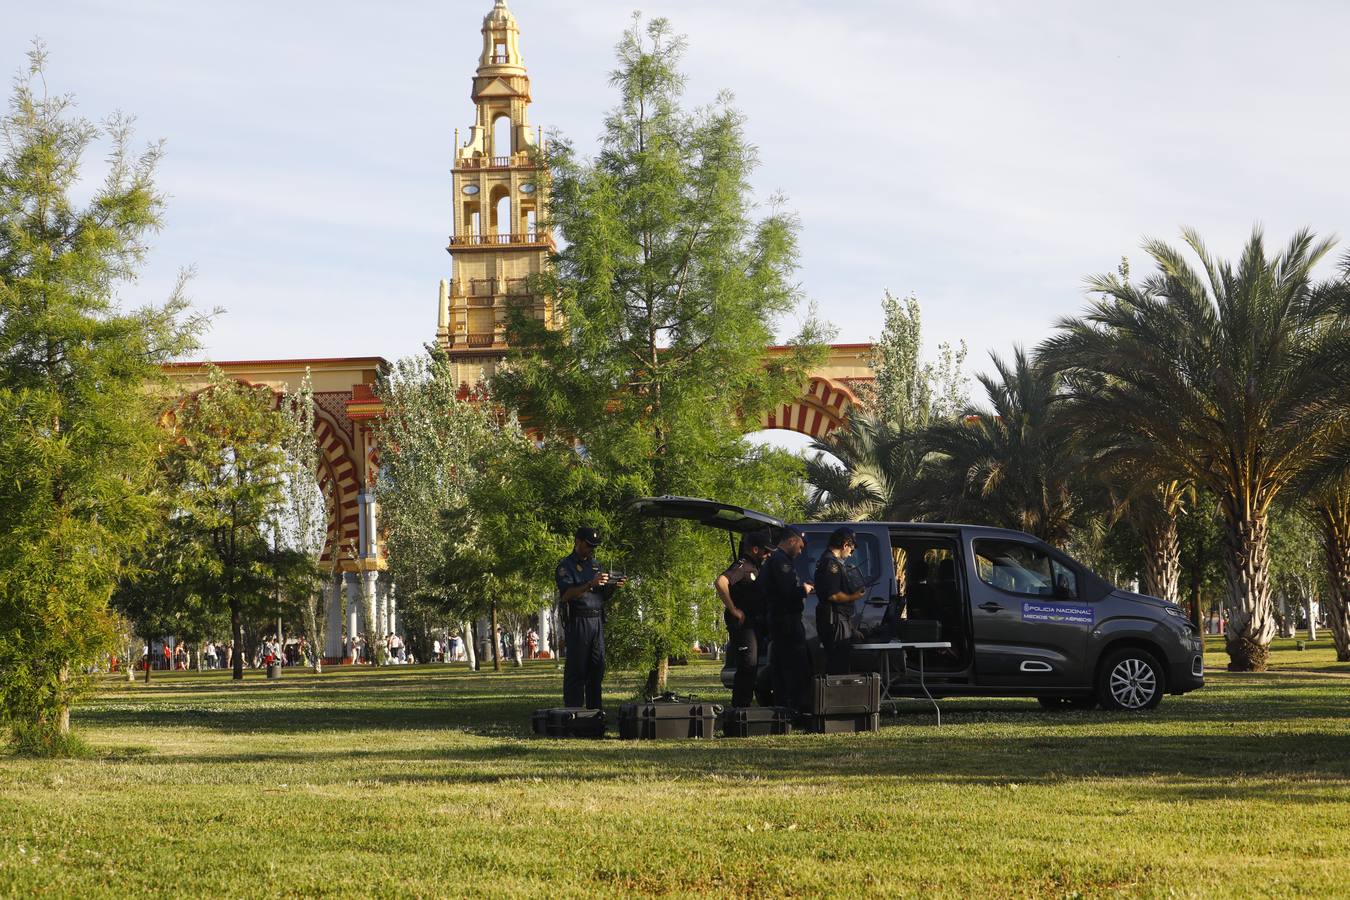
(1133, 683)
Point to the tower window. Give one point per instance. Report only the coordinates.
(501, 135)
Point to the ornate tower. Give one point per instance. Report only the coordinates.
(498, 239)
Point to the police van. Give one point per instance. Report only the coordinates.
(1023, 618)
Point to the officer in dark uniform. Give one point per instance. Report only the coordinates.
(739, 589)
(837, 588)
(784, 595)
(582, 591)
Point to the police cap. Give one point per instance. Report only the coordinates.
(791, 531)
(589, 535)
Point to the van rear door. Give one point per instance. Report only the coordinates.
(709, 513)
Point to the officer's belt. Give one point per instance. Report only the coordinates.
(584, 612)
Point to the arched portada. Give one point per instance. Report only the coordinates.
(829, 394)
(345, 405)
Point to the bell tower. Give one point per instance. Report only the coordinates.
(498, 240)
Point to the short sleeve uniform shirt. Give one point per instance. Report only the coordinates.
(572, 572)
(746, 591)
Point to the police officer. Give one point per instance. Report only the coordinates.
(836, 592)
(784, 595)
(582, 591)
(739, 589)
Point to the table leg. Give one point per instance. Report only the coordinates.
(924, 684)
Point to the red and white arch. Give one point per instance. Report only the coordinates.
(821, 409)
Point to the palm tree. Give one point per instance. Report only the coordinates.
(872, 474)
(1332, 508)
(1234, 377)
(1011, 464)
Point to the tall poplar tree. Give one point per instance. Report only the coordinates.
(77, 398)
(669, 285)
(303, 521)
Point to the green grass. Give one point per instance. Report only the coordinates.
(424, 781)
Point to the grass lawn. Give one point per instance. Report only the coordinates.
(424, 781)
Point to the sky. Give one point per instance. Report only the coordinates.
(985, 157)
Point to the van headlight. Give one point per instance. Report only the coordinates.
(1175, 613)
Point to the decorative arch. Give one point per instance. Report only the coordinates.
(337, 473)
(339, 480)
(820, 409)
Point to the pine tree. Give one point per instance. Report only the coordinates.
(78, 399)
(669, 288)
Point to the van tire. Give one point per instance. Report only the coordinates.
(1130, 680)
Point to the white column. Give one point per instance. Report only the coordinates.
(545, 628)
(332, 640)
(354, 617)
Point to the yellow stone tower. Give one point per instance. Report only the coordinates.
(499, 240)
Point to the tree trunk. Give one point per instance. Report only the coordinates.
(1162, 557)
(63, 707)
(658, 676)
(1335, 526)
(237, 631)
(374, 640)
(1251, 623)
(496, 641)
(316, 621)
(470, 647)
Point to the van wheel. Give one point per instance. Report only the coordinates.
(1130, 679)
(1060, 704)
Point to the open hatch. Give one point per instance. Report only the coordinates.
(709, 513)
(732, 519)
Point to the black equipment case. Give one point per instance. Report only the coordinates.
(569, 721)
(920, 631)
(839, 695)
(667, 719)
(842, 724)
(750, 721)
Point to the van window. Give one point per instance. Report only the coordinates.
(866, 556)
(1023, 569)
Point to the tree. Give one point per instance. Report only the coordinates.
(1329, 505)
(867, 468)
(1297, 569)
(448, 543)
(303, 524)
(909, 393)
(668, 289)
(1011, 464)
(1234, 377)
(869, 473)
(79, 389)
(226, 466)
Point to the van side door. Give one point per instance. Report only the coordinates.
(1030, 625)
(871, 556)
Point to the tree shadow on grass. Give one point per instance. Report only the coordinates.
(1201, 766)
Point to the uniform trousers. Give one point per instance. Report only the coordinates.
(743, 649)
(790, 661)
(834, 624)
(584, 669)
